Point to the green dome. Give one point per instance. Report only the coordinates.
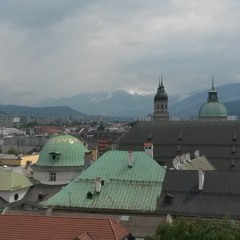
(212, 109)
(62, 151)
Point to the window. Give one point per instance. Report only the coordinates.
(52, 176)
(16, 197)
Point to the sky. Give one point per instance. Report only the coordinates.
(61, 48)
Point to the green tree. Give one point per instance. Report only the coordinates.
(197, 230)
(12, 151)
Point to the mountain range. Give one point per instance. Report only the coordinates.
(123, 104)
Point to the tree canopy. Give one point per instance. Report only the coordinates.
(197, 230)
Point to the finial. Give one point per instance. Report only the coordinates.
(161, 80)
(212, 82)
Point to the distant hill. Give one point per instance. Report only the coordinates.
(233, 108)
(47, 112)
(123, 104)
(119, 103)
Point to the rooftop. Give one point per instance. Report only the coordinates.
(62, 151)
(219, 198)
(11, 180)
(217, 140)
(66, 228)
(135, 188)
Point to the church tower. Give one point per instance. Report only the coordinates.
(161, 104)
(213, 109)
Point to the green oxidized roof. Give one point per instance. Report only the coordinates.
(136, 188)
(10, 181)
(212, 108)
(62, 150)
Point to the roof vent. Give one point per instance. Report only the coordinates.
(150, 136)
(200, 179)
(90, 195)
(168, 198)
(234, 136)
(179, 149)
(232, 163)
(233, 149)
(180, 137)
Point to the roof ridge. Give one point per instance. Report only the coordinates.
(120, 225)
(60, 216)
(112, 228)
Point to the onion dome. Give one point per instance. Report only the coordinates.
(161, 94)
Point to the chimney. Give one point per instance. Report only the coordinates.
(148, 148)
(188, 157)
(197, 154)
(169, 219)
(130, 158)
(176, 163)
(200, 179)
(98, 184)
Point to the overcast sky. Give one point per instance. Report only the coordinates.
(57, 48)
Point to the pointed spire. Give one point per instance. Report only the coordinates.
(212, 94)
(212, 82)
(161, 80)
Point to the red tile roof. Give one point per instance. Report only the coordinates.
(65, 228)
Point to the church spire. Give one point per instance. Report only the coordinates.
(212, 94)
(212, 82)
(161, 103)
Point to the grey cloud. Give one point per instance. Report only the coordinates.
(37, 13)
(60, 48)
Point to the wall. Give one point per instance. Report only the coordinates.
(9, 195)
(61, 177)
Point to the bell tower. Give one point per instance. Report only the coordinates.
(161, 104)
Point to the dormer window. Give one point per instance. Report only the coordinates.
(54, 155)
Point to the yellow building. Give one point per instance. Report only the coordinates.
(13, 160)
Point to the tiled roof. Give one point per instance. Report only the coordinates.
(65, 228)
(135, 189)
(220, 196)
(217, 140)
(11, 180)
